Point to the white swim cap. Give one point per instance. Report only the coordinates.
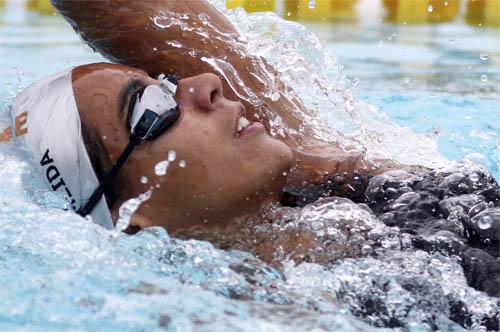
(45, 117)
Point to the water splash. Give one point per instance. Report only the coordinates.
(314, 74)
(128, 209)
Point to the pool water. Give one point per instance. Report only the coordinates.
(439, 80)
(60, 272)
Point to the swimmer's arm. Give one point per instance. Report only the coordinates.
(130, 32)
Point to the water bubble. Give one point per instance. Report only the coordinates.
(407, 79)
(155, 49)
(484, 222)
(484, 78)
(144, 179)
(446, 3)
(475, 209)
(182, 164)
(312, 4)
(452, 41)
(161, 168)
(355, 81)
(430, 8)
(474, 177)
(484, 56)
(289, 14)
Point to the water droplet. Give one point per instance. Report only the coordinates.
(285, 173)
(452, 41)
(484, 78)
(191, 89)
(289, 14)
(144, 179)
(430, 8)
(355, 81)
(155, 49)
(312, 4)
(171, 155)
(204, 18)
(407, 79)
(484, 222)
(161, 168)
(446, 3)
(182, 164)
(484, 56)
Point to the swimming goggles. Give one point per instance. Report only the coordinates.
(152, 111)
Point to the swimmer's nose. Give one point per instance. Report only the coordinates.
(201, 91)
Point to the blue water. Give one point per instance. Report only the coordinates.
(61, 273)
(440, 80)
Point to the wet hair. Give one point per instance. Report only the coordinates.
(101, 163)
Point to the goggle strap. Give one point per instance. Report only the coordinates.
(97, 195)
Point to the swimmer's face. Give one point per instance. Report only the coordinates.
(217, 176)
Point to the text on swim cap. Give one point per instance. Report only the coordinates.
(21, 128)
(55, 179)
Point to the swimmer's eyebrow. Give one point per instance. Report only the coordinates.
(132, 86)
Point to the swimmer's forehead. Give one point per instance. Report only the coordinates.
(119, 82)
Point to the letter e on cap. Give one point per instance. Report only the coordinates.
(21, 124)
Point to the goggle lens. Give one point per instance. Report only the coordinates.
(153, 110)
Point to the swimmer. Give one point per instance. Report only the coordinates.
(179, 38)
(105, 133)
(91, 122)
(226, 168)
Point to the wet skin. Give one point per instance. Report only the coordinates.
(228, 176)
